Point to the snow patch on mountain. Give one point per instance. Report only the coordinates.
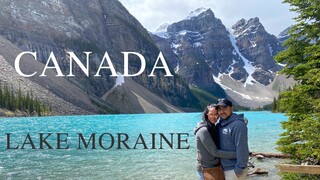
(119, 80)
(253, 43)
(183, 32)
(196, 13)
(176, 69)
(234, 52)
(270, 49)
(163, 27)
(162, 31)
(248, 66)
(231, 68)
(244, 31)
(197, 44)
(162, 34)
(218, 80)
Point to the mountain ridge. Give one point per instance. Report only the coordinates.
(244, 54)
(96, 26)
(61, 103)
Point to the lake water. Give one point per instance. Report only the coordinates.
(139, 163)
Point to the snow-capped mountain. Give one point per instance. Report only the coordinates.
(238, 61)
(197, 12)
(259, 47)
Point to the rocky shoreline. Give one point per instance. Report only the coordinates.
(265, 165)
(6, 113)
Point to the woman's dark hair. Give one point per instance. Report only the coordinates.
(211, 127)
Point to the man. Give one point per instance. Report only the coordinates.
(233, 136)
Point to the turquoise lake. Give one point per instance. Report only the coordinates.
(140, 163)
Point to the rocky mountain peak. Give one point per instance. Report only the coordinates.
(284, 35)
(163, 27)
(200, 13)
(187, 42)
(199, 20)
(245, 26)
(239, 24)
(284, 32)
(258, 47)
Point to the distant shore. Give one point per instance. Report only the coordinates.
(4, 113)
(7, 113)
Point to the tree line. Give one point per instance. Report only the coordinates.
(276, 106)
(17, 101)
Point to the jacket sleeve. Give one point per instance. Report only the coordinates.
(242, 149)
(210, 146)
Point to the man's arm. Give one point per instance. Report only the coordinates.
(242, 149)
(211, 147)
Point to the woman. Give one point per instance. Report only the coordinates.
(207, 140)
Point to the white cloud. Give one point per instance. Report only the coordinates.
(274, 15)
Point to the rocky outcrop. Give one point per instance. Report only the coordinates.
(138, 99)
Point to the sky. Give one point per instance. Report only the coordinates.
(273, 14)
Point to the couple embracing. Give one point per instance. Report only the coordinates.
(222, 147)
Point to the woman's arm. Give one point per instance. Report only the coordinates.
(210, 146)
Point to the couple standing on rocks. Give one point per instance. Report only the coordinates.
(222, 143)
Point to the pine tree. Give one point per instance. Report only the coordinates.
(37, 107)
(50, 108)
(27, 101)
(6, 97)
(302, 103)
(1, 96)
(19, 99)
(13, 101)
(274, 105)
(31, 104)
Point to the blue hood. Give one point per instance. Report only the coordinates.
(232, 118)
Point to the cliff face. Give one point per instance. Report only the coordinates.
(259, 47)
(97, 26)
(196, 43)
(237, 63)
(63, 96)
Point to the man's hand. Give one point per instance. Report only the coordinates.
(239, 175)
